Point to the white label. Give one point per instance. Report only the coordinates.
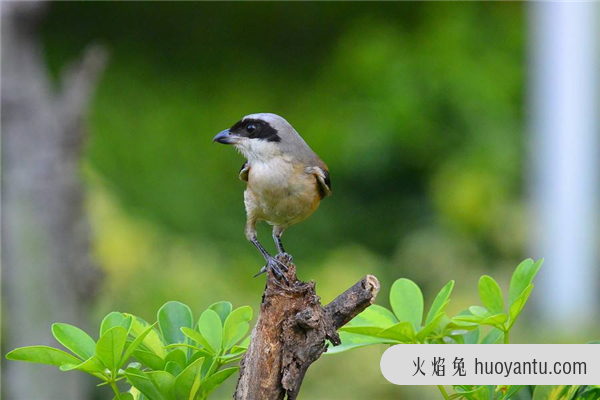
(492, 364)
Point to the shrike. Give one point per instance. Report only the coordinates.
(286, 180)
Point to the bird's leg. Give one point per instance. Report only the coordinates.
(275, 265)
(277, 232)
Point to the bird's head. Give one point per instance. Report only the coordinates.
(260, 137)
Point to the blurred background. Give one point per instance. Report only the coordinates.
(461, 139)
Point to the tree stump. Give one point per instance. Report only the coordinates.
(291, 333)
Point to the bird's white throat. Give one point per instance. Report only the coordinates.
(257, 151)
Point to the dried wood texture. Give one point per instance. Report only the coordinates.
(291, 334)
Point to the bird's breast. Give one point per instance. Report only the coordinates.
(281, 192)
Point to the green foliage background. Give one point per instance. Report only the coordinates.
(416, 107)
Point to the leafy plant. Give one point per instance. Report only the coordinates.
(179, 360)
(405, 323)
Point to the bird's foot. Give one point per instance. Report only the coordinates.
(286, 257)
(277, 267)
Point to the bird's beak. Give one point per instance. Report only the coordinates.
(225, 137)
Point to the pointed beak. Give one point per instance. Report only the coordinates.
(223, 137)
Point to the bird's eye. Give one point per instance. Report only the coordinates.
(250, 128)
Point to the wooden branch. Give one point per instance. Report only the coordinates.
(291, 333)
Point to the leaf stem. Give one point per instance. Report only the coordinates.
(443, 391)
(115, 389)
(506, 337)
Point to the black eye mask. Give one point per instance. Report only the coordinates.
(255, 129)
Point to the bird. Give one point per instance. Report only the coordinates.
(285, 179)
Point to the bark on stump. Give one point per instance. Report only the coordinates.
(291, 334)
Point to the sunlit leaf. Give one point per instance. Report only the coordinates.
(135, 344)
(223, 308)
(212, 382)
(517, 306)
(164, 382)
(197, 337)
(550, 392)
(522, 278)
(153, 341)
(211, 329)
(406, 300)
(440, 302)
(401, 332)
(93, 364)
(110, 347)
(491, 295)
(42, 355)
(115, 319)
(376, 316)
(171, 318)
(74, 339)
(142, 382)
(187, 383)
(236, 326)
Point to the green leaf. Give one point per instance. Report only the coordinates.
(493, 336)
(153, 341)
(230, 358)
(141, 381)
(522, 278)
(407, 302)
(195, 349)
(124, 396)
(42, 355)
(213, 381)
(173, 368)
(594, 342)
(376, 316)
(481, 312)
(149, 359)
(171, 318)
(164, 382)
(178, 356)
(236, 326)
(362, 330)
(136, 343)
(517, 306)
(495, 320)
(115, 319)
(353, 341)
(93, 364)
(74, 339)
(440, 302)
(110, 347)
(197, 337)
(491, 295)
(472, 337)
(550, 392)
(423, 333)
(211, 329)
(511, 391)
(209, 365)
(223, 308)
(473, 320)
(188, 382)
(401, 332)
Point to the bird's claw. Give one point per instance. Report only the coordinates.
(276, 266)
(286, 257)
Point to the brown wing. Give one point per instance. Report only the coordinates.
(323, 179)
(243, 175)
